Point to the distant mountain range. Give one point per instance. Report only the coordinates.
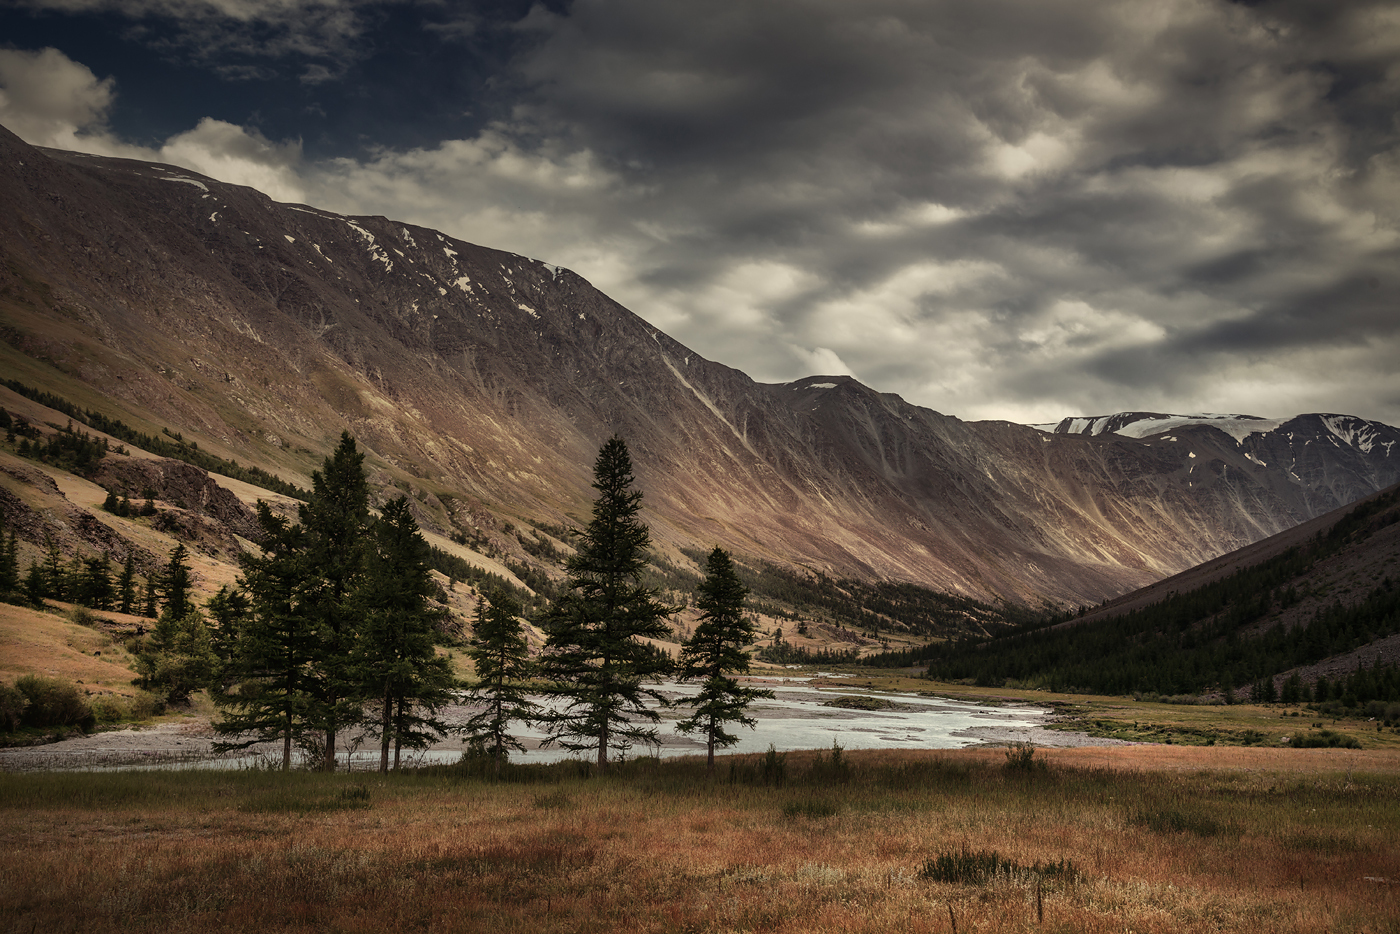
(483, 383)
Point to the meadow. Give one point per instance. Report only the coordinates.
(1141, 839)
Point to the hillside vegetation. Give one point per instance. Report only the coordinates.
(1318, 621)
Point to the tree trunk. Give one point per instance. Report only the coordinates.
(603, 748)
(386, 720)
(329, 763)
(398, 743)
(710, 751)
(287, 745)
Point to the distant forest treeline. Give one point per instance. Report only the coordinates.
(1207, 640)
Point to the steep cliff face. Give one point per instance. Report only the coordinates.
(266, 329)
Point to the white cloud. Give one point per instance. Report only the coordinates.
(1006, 208)
(240, 156)
(49, 100)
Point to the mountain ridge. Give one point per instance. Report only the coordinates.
(484, 382)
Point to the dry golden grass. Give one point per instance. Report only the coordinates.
(1214, 843)
(49, 644)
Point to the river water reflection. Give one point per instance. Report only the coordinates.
(798, 717)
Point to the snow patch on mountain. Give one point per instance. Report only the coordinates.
(1353, 432)
(189, 181)
(375, 250)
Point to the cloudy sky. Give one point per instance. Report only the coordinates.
(1011, 209)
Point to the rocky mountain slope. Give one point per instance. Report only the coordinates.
(484, 382)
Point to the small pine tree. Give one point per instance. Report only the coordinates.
(177, 658)
(714, 652)
(94, 583)
(501, 654)
(228, 612)
(55, 575)
(176, 583)
(594, 653)
(36, 585)
(150, 603)
(126, 585)
(394, 660)
(9, 561)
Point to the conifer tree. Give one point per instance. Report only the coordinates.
(716, 651)
(126, 585)
(9, 560)
(501, 654)
(228, 611)
(93, 587)
(150, 607)
(335, 519)
(393, 659)
(175, 581)
(55, 577)
(271, 666)
(36, 586)
(594, 653)
(177, 658)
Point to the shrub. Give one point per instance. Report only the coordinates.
(774, 766)
(1020, 757)
(810, 808)
(964, 867)
(835, 770)
(12, 704)
(54, 703)
(1175, 820)
(113, 708)
(1324, 739)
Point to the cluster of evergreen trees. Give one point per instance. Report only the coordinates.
(334, 626)
(597, 660)
(89, 581)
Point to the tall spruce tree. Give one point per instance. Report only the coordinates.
(271, 668)
(335, 519)
(594, 653)
(714, 652)
(501, 654)
(394, 661)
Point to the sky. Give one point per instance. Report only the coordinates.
(1007, 209)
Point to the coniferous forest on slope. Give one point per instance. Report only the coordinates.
(1217, 639)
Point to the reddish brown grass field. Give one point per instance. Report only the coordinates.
(1156, 840)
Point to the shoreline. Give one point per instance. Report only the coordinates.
(190, 743)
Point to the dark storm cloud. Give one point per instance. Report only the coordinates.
(1008, 208)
